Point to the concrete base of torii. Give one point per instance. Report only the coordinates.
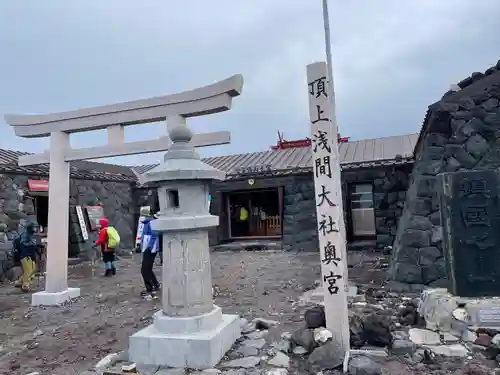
(45, 298)
(197, 342)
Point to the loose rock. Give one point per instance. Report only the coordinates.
(305, 338)
(284, 346)
(246, 351)
(257, 335)
(246, 362)
(454, 350)
(279, 360)
(483, 340)
(448, 337)
(362, 365)
(356, 331)
(299, 350)
(495, 341)
(322, 335)
(402, 347)
(328, 356)
(315, 317)
(377, 330)
(263, 324)
(277, 371)
(424, 337)
(258, 344)
(107, 361)
(234, 372)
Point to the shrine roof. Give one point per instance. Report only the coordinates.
(365, 153)
(353, 154)
(87, 170)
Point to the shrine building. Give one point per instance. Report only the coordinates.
(388, 186)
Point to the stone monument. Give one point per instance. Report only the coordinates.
(470, 217)
(189, 331)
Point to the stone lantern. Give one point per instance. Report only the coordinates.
(189, 331)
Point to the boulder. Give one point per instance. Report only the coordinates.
(326, 357)
(305, 338)
(315, 317)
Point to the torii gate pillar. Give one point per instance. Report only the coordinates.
(56, 276)
(58, 126)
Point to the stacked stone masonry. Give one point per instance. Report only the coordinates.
(461, 132)
(389, 194)
(16, 208)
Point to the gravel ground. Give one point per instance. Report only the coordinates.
(71, 339)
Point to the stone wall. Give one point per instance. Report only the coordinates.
(389, 194)
(15, 210)
(299, 207)
(118, 203)
(461, 132)
(299, 214)
(144, 196)
(16, 207)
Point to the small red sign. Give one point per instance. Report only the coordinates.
(38, 185)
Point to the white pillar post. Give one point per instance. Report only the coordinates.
(331, 96)
(57, 237)
(326, 169)
(56, 276)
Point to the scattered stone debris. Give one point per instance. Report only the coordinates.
(387, 335)
(245, 362)
(363, 365)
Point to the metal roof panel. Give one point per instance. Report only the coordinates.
(363, 153)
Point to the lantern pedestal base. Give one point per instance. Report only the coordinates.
(199, 348)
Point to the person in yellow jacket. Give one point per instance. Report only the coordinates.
(243, 214)
(239, 222)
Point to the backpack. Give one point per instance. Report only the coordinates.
(113, 237)
(16, 249)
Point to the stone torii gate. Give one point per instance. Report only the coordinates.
(58, 126)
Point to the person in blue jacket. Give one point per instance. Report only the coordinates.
(160, 243)
(150, 246)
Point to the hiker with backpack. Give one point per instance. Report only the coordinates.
(25, 249)
(150, 246)
(109, 239)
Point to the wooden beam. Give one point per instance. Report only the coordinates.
(130, 148)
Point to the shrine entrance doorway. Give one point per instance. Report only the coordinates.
(264, 213)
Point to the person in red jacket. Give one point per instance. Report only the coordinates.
(108, 254)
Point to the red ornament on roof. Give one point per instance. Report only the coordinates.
(282, 144)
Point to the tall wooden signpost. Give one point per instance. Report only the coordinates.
(326, 169)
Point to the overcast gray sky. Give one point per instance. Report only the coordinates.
(392, 58)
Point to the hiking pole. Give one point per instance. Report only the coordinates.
(41, 265)
(93, 260)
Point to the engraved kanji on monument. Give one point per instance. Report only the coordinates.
(470, 216)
